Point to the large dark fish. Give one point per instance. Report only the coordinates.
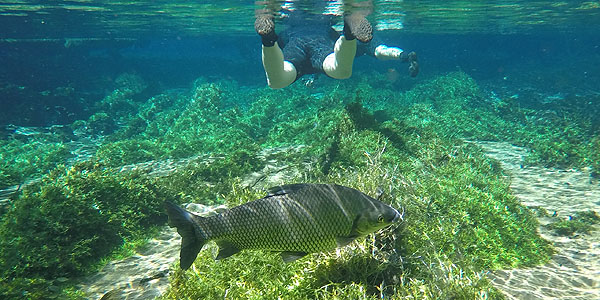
(294, 219)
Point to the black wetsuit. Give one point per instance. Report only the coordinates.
(309, 38)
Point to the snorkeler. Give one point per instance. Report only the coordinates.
(310, 45)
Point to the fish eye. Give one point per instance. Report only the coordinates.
(380, 219)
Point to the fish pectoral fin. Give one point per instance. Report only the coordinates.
(226, 249)
(290, 256)
(344, 240)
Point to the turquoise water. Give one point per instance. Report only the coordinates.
(90, 90)
(135, 19)
(80, 45)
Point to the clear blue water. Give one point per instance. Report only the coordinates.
(60, 59)
(70, 52)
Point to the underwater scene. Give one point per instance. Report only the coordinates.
(381, 149)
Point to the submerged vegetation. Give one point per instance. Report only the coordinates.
(62, 226)
(580, 223)
(460, 216)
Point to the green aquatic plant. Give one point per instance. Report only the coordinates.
(62, 226)
(39, 288)
(162, 129)
(205, 179)
(580, 223)
(460, 216)
(25, 159)
(454, 106)
(460, 220)
(129, 151)
(101, 124)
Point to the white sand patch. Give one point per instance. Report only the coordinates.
(141, 276)
(574, 272)
(144, 275)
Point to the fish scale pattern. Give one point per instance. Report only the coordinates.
(307, 221)
(294, 219)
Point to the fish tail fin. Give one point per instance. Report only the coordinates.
(192, 237)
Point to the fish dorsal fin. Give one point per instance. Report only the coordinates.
(286, 189)
(290, 256)
(226, 249)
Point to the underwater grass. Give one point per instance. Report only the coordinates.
(580, 223)
(21, 160)
(219, 117)
(460, 217)
(560, 134)
(460, 221)
(64, 225)
(368, 269)
(79, 217)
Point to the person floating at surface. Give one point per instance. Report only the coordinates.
(310, 45)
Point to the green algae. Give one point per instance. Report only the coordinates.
(63, 226)
(74, 216)
(219, 117)
(580, 223)
(460, 220)
(439, 251)
(562, 134)
(460, 216)
(23, 159)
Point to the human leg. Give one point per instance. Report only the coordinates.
(280, 73)
(338, 64)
